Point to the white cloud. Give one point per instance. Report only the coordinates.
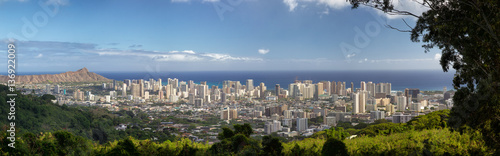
(263, 51)
(334, 4)
(437, 57)
(177, 57)
(224, 57)
(188, 52)
(183, 56)
(39, 55)
(403, 5)
(291, 3)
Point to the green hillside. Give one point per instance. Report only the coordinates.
(43, 128)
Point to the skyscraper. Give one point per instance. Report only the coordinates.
(262, 90)
(249, 84)
(124, 90)
(135, 90)
(401, 103)
(352, 87)
(141, 88)
(302, 124)
(412, 92)
(319, 90)
(277, 90)
(362, 101)
(333, 87)
(363, 85)
(355, 103)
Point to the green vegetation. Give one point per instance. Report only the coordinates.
(38, 114)
(390, 139)
(44, 128)
(467, 33)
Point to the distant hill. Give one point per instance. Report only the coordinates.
(81, 75)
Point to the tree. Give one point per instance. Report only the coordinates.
(48, 97)
(124, 147)
(225, 134)
(333, 146)
(245, 129)
(468, 34)
(271, 146)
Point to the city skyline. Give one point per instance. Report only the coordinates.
(188, 35)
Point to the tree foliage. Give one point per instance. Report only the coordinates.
(468, 34)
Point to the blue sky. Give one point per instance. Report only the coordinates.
(194, 35)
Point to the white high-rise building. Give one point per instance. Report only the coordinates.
(401, 103)
(302, 124)
(363, 85)
(249, 84)
(355, 103)
(124, 90)
(362, 101)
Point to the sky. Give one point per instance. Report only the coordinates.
(208, 35)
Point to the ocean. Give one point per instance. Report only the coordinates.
(422, 79)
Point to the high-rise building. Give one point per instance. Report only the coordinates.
(124, 89)
(308, 91)
(249, 84)
(412, 92)
(415, 107)
(174, 83)
(277, 90)
(168, 90)
(376, 115)
(183, 86)
(56, 89)
(287, 122)
(146, 95)
(233, 113)
(127, 81)
(135, 90)
(160, 94)
(141, 88)
(390, 109)
(224, 114)
(319, 90)
(333, 88)
(362, 101)
(327, 87)
(355, 103)
(401, 103)
(352, 87)
(302, 124)
(262, 90)
(331, 121)
(191, 84)
(271, 127)
(363, 85)
(370, 87)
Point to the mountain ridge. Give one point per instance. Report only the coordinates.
(81, 75)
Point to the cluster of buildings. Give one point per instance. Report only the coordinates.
(288, 111)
